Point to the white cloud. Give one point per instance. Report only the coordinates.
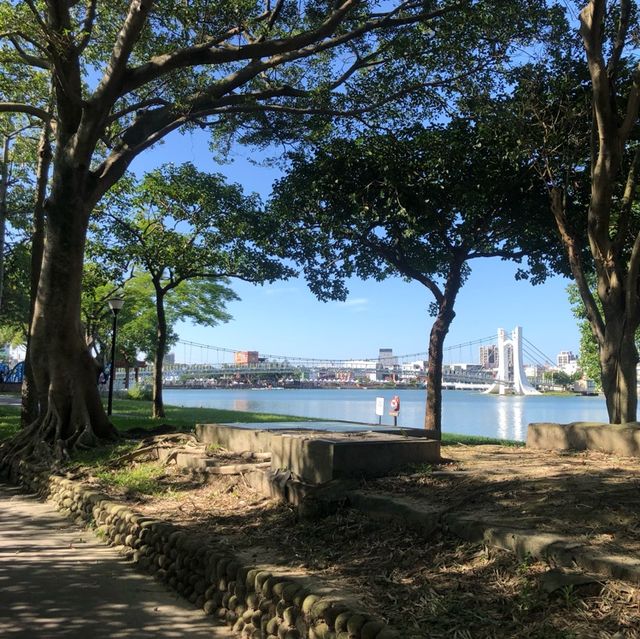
(280, 290)
(357, 304)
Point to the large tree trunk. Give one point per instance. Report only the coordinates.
(609, 214)
(439, 330)
(161, 347)
(618, 361)
(30, 407)
(70, 410)
(4, 194)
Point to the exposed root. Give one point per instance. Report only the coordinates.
(151, 444)
(42, 443)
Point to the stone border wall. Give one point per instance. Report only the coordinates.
(255, 603)
(617, 439)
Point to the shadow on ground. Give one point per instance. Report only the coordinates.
(60, 581)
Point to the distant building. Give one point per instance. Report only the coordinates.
(462, 368)
(170, 359)
(361, 364)
(567, 362)
(414, 367)
(245, 358)
(565, 357)
(534, 371)
(386, 358)
(490, 358)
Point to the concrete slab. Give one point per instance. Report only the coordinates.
(57, 580)
(619, 439)
(318, 455)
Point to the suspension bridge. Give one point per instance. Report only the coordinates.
(207, 365)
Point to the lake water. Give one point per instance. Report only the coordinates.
(464, 412)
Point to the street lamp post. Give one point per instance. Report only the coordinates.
(115, 304)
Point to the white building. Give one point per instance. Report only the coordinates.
(567, 362)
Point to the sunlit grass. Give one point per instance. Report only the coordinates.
(451, 439)
(9, 421)
(102, 455)
(140, 479)
(129, 413)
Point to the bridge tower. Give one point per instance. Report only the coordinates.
(520, 383)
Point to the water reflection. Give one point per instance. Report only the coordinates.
(241, 404)
(503, 420)
(518, 422)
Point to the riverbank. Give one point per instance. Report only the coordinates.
(129, 414)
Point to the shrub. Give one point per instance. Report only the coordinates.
(140, 391)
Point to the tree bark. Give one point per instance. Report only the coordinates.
(439, 330)
(71, 414)
(618, 361)
(30, 408)
(158, 360)
(615, 324)
(4, 193)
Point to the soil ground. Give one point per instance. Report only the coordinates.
(440, 586)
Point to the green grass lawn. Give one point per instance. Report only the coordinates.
(9, 420)
(133, 413)
(129, 413)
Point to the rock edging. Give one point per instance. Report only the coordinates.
(255, 603)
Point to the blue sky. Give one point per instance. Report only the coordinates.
(286, 319)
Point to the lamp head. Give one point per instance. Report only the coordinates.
(115, 304)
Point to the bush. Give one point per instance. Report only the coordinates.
(140, 391)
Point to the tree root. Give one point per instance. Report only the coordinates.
(42, 442)
(151, 444)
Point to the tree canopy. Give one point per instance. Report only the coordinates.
(420, 204)
(580, 129)
(188, 231)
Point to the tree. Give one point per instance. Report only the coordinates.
(419, 205)
(166, 66)
(585, 124)
(189, 231)
(588, 359)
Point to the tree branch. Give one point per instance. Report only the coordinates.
(280, 50)
(633, 106)
(404, 267)
(575, 261)
(31, 60)
(633, 274)
(621, 37)
(17, 107)
(206, 54)
(37, 16)
(127, 37)
(591, 31)
(87, 27)
(627, 202)
(138, 106)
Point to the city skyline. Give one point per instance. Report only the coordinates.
(291, 322)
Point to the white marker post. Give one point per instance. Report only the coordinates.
(379, 409)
